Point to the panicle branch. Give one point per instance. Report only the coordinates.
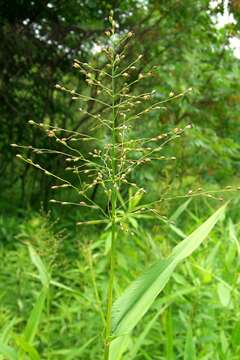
(83, 170)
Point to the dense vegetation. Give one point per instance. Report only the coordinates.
(55, 273)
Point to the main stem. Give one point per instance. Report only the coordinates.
(113, 219)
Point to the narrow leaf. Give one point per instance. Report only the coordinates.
(233, 235)
(34, 319)
(144, 334)
(27, 348)
(6, 331)
(169, 335)
(180, 210)
(37, 261)
(224, 293)
(8, 352)
(189, 353)
(139, 296)
(70, 354)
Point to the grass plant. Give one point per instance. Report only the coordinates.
(115, 152)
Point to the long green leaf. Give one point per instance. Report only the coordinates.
(190, 353)
(37, 261)
(139, 296)
(27, 348)
(233, 235)
(35, 317)
(180, 210)
(6, 331)
(8, 352)
(144, 334)
(70, 354)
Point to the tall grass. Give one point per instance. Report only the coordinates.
(203, 294)
(110, 165)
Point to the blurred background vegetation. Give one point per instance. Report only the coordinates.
(39, 41)
(191, 44)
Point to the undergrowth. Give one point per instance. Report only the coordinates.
(81, 310)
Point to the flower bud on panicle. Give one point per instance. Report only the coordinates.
(51, 133)
(76, 65)
(111, 165)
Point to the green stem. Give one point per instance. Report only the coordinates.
(169, 335)
(113, 219)
(48, 305)
(110, 294)
(98, 300)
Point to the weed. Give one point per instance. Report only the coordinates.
(110, 165)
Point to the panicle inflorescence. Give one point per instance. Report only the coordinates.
(114, 156)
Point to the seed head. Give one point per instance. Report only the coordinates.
(51, 133)
(76, 66)
(146, 97)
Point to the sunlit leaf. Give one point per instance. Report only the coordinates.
(189, 353)
(139, 296)
(8, 352)
(35, 317)
(37, 261)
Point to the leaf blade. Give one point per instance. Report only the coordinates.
(139, 296)
(37, 261)
(34, 319)
(8, 351)
(190, 352)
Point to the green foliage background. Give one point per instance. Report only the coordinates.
(39, 40)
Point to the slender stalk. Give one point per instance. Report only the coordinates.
(169, 336)
(93, 278)
(48, 321)
(113, 218)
